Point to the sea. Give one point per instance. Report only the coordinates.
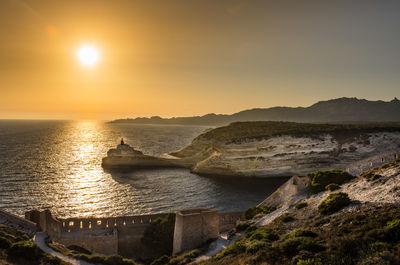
(56, 165)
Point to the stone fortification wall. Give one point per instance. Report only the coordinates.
(194, 227)
(79, 224)
(104, 243)
(284, 193)
(122, 235)
(107, 235)
(373, 161)
(18, 222)
(228, 221)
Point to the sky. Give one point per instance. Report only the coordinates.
(187, 57)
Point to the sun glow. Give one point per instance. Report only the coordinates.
(88, 55)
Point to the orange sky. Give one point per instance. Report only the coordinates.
(180, 58)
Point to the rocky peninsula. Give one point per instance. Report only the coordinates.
(269, 149)
(125, 157)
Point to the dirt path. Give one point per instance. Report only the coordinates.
(217, 246)
(40, 240)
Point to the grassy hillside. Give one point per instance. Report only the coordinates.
(368, 235)
(17, 248)
(333, 229)
(264, 129)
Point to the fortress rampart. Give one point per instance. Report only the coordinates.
(69, 225)
(194, 227)
(18, 222)
(122, 235)
(373, 161)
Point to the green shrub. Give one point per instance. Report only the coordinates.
(105, 260)
(242, 226)
(320, 179)
(290, 246)
(159, 235)
(380, 246)
(161, 260)
(316, 261)
(52, 260)
(303, 233)
(332, 187)
(373, 177)
(311, 245)
(100, 259)
(256, 246)
(393, 228)
(301, 205)
(235, 248)
(5, 243)
(286, 218)
(263, 235)
(249, 231)
(117, 260)
(358, 219)
(376, 234)
(26, 250)
(321, 222)
(333, 203)
(256, 210)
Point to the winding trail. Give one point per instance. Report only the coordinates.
(40, 240)
(217, 246)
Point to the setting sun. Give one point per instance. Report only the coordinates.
(88, 55)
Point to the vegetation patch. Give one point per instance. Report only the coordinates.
(369, 234)
(334, 202)
(104, 260)
(374, 177)
(242, 226)
(321, 222)
(302, 232)
(5, 243)
(239, 131)
(312, 261)
(25, 250)
(257, 210)
(286, 218)
(393, 228)
(322, 178)
(301, 205)
(292, 246)
(235, 248)
(262, 234)
(332, 187)
(159, 236)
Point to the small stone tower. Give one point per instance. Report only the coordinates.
(194, 227)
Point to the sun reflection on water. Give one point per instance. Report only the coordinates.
(87, 184)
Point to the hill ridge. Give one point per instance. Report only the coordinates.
(344, 110)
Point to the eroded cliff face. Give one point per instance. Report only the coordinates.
(286, 155)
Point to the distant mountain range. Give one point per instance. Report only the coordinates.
(340, 110)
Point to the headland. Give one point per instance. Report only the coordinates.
(269, 149)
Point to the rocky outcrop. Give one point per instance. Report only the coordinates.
(125, 157)
(123, 150)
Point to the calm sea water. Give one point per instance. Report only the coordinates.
(56, 165)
